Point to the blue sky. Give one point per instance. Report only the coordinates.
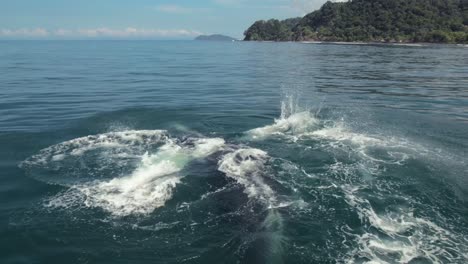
(148, 19)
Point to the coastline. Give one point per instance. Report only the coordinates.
(408, 44)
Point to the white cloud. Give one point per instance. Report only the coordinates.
(63, 32)
(102, 32)
(136, 32)
(24, 32)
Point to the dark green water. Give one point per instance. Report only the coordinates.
(188, 152)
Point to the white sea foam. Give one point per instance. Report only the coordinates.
(125, 141)
(292, 126)
(150, 184)
(296, 123)
(406, 237)
(393, 236)
(336, 134)
(293, 121)
(246, 167)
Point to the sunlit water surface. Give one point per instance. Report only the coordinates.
(197, 152)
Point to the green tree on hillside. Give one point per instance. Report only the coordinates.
(444, 21)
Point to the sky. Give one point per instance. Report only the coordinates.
(141, 19)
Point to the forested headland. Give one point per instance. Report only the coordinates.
(438, 21)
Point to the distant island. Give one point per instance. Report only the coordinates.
(436, 21)
(215, 37)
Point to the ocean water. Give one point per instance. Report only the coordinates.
(199, 152)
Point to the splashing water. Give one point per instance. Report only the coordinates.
(247, 166)
(133, 173)
(396, 236)
(148, 187)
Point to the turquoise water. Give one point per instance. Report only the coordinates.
(194, 152)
